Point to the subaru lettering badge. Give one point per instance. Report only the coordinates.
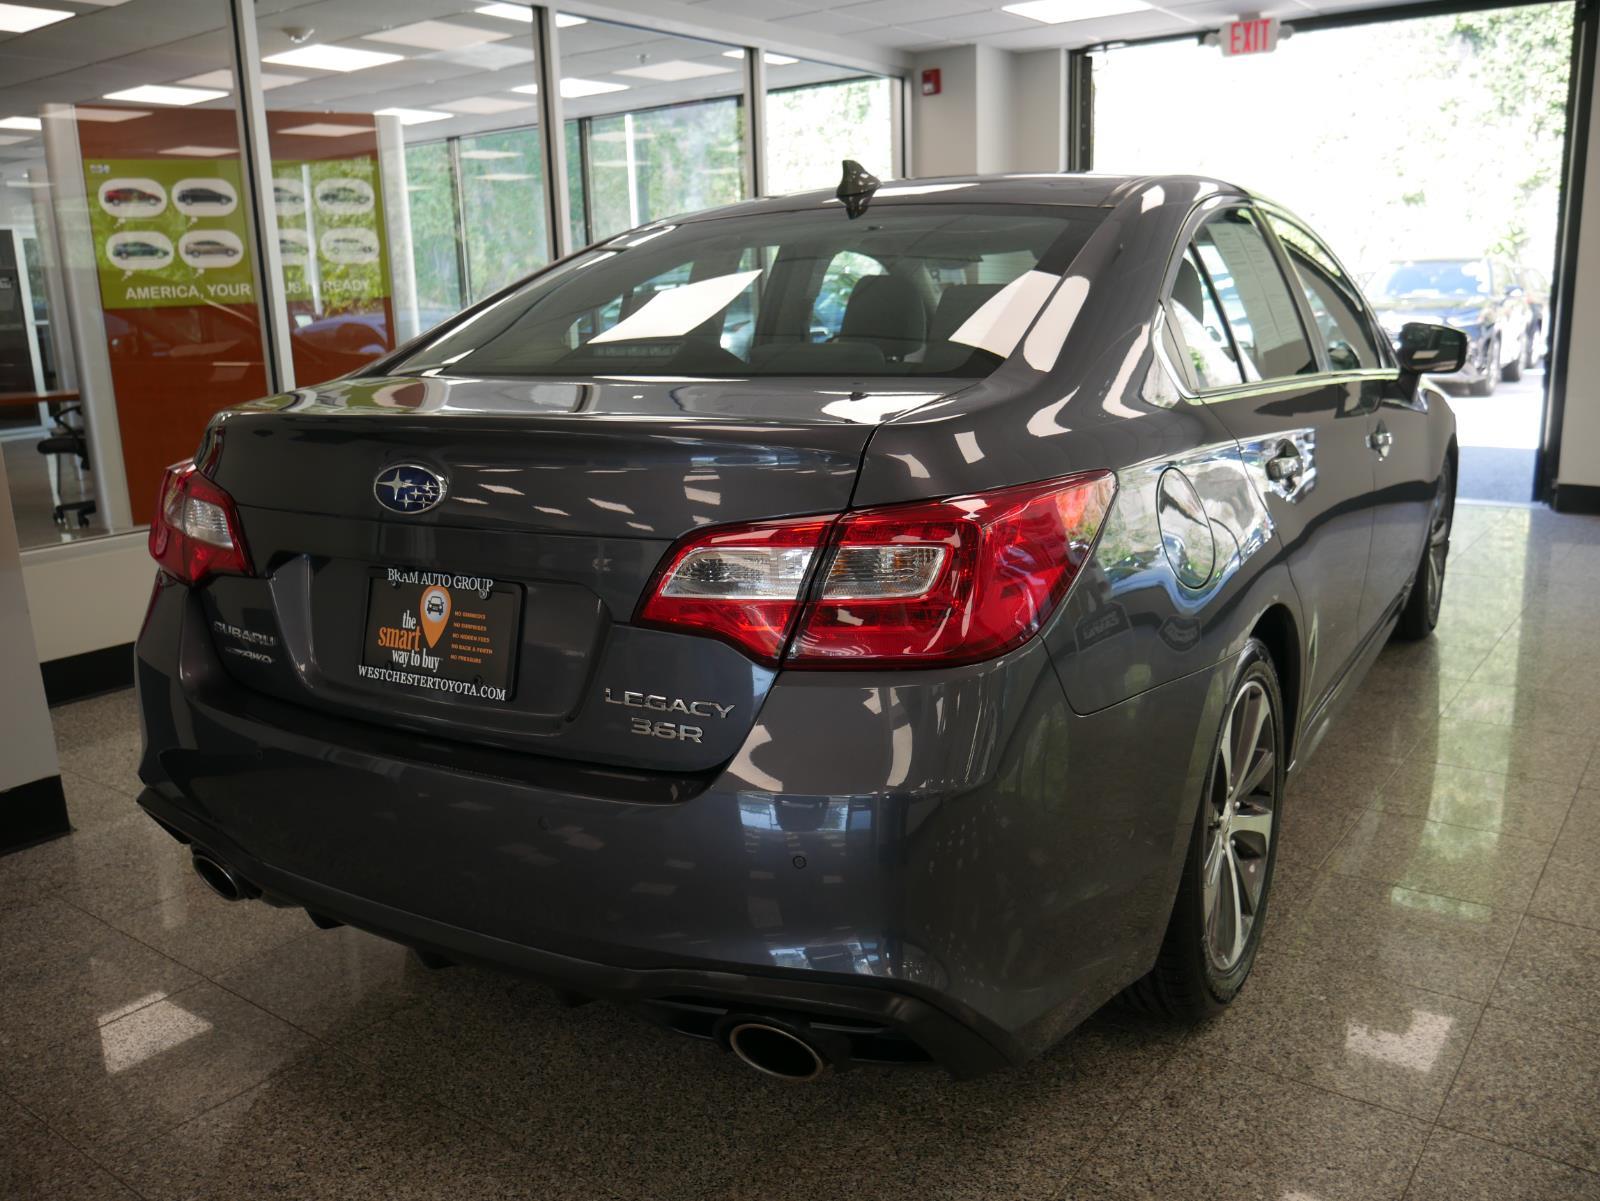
(409, 488)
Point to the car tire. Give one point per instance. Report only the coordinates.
(1421, 612)
(1211, 942)
(1491, 373)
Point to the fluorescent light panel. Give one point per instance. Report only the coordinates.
(771, 59)
(224, 79)
(413, 116)
(435, 35)
(197, 151)
(108, 116)
(165, 93)
(483, 106)
(28, 123)
(674, 71)
(1059, 12)
(576, 89)
(322, 57)
(327, 129)
(20, 18)
(516, 12)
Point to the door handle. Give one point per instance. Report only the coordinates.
(1382, 441)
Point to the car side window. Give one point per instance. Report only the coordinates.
(1198, 328)
(1336, 306)
(1255, 299)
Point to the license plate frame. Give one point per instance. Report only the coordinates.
(441, 634)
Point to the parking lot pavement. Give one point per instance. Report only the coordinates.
(1499, 435)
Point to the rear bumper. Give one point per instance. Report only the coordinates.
(955, 859)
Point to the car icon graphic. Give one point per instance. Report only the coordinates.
(283, 195)
(347, 242)
(199, 195)
(138, 250)
(119, 197)
(340, 195)
(436, 605)
(207, 247)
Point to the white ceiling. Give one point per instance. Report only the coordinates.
(105, 48)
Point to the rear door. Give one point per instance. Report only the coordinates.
(1399, 446)
(1303, 429)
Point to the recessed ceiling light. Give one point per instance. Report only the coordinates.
(327, 129)
(27, 183)
(162, 93)
(489, 154)
(576, 89)
(674, 70)
(435, 35)
(32, 123)
(484, 105)
(108, 115)
(224, 79)
(771, 59)
(19, 18)
(413, 116)
(516, 12)
(197, 151)
(322, 57)
(527, 89)
(1059, 12)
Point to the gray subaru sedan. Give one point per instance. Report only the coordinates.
(872, 625)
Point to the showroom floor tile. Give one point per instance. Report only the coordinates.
(1420, 1024)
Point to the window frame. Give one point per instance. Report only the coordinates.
(1204, 211)
(1385, 347)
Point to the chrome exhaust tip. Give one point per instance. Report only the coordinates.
(221, 879)
(775, 1051)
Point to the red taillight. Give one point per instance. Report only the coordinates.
(195, 532)
(925, 584)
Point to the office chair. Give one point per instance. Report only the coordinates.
(67, 437)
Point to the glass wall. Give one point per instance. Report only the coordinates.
(123, 204)
(408, 174)
(404, 176)
(657, 121)
(818, 115)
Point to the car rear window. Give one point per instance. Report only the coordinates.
(945, 289)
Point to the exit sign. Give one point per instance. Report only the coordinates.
(1249, 35)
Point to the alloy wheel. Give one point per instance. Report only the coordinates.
(1243, 811)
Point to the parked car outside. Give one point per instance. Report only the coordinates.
(903, 695)
(1482, 297)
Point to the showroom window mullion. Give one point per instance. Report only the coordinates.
(553, 132)
(272, 309)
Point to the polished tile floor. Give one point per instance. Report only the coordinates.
(1423, 1022)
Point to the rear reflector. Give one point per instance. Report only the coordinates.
(925, 584)
(195, 533)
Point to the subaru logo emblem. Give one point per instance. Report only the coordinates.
(409, 488)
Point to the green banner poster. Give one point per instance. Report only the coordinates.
(168, 232)
(331, 233)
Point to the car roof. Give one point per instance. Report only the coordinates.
(1078, 189)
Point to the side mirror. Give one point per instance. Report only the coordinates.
(1431, 349)
(1515, 292)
